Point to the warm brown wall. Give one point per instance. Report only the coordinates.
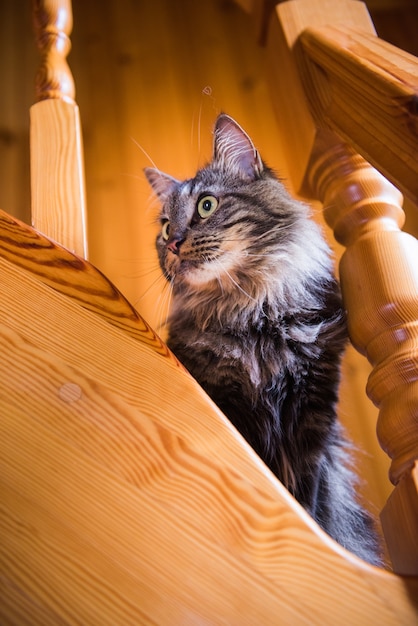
(142, 70)
(156, 74)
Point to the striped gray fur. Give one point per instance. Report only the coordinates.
(257, 318)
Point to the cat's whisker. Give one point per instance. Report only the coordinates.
(259, 255)
(218, 275)
(266, 234)
(234, 282)
(165, 304)
(155, 269)
(276, 229)
(170, 292)
(271, 357)
(160, 306)
(145, 153)
(158, 280)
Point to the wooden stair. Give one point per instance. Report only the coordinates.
(127, 497)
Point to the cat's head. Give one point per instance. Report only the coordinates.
(230, 226)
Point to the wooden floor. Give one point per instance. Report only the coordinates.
(150, 79)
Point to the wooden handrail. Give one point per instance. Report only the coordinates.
(329, 72)
(72, 276)
(379, 279)
(56, 148)
(367, 91)
(127, 497)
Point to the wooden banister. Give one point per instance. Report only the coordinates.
(74, 277)
(126, 496)
(56, 151)
(379, 279)
(288, 74)
(367, 91)
(329, 72)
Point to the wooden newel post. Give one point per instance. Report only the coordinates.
(57, 168)
(379, 270)
(379, 279)
(53, 23)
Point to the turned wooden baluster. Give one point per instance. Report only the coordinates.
(379, 278)
(53, 25)
(57, 170)
(379, 270)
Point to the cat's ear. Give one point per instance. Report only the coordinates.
(234, 150)
(162, 184)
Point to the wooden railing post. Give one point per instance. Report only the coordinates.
(379, 270)
(56, 151)
(379, 279)
(369, 96)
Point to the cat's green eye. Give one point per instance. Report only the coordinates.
(207, 205)
(165, 230)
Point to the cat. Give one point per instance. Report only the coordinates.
(257, 318)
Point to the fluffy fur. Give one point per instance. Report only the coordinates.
(257, 319)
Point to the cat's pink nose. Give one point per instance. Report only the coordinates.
(174, 245)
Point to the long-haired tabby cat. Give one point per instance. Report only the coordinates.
(257, 319)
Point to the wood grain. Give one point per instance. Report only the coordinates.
(123, 504)
(56, 146)
(379, 280)
(289, 79)
(287, 74)
(57, 174)
(361, 82)
(369, 96)
(73, 276)
(117, 58)
(400, 519)
(115, 512)
(53, 20)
